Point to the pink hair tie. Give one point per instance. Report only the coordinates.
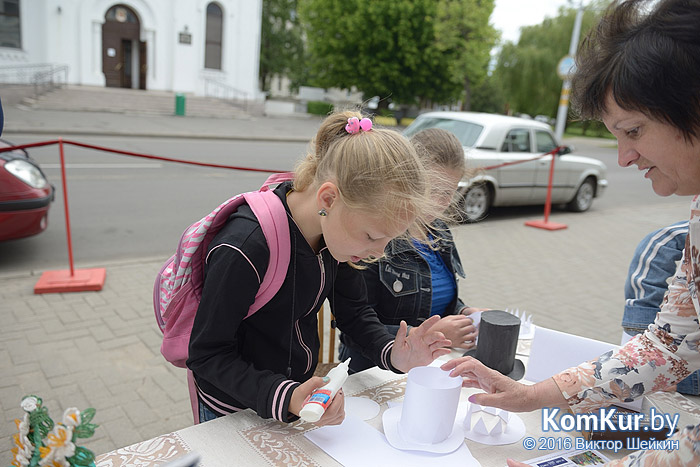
(355, 125)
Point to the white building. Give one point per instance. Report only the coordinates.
(193, 46)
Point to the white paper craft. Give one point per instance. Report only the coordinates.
(361, 407)
(476, 318)
(489, 425)
(552, 352)
(527, 329)
(426, 421)
(355, 443)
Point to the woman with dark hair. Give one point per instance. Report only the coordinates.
(639, 72)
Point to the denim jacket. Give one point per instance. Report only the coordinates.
(399, 285)
(654, 261)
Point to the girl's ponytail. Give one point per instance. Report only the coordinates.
(331, 129)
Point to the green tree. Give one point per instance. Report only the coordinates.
(465, 39)
(527, 70)
(398, 49)
(281, 44)
(488, 97)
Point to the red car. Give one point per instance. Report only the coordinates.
(25, 195)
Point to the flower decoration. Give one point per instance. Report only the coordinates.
(41, 442)
(355, 125)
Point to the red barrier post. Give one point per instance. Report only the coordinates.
(65, 205)
(545, 224)
(60, 281)
(93, 279)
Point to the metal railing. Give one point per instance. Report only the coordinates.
(219, 90)
(44, 76)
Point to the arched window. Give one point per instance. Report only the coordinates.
(212, 47)
(121, 14)
(9, 24)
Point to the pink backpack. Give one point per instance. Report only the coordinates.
(178, 287)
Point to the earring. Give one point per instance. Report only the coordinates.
(323, 212)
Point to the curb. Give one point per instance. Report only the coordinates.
(131, 134)
(18, 274)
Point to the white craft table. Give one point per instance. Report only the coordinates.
(246, 439)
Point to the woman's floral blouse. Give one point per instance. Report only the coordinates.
(667, 352)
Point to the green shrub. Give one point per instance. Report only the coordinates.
(385, 121)
(319, 107)
(593, 128)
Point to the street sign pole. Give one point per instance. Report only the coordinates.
(565, 69)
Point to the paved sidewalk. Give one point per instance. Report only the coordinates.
(54, 123)
(101, 349)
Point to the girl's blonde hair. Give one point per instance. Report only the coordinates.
(378, 170)
(441, 148)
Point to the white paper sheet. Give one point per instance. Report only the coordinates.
(363, 408)
(552, 352)
(355, 443)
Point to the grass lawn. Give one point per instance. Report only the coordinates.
(577, 130)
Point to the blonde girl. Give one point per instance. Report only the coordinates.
(358, 188)
(413, 280)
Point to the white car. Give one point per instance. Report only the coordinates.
(491, 140)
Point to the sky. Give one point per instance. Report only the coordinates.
(509, 15)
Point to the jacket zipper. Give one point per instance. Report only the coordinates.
(318, 296)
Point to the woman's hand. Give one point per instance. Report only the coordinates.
(421, 347)
(502, 391)
(459, 329)
(514, 463)
(335, 412)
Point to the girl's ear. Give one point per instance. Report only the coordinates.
(327, 195)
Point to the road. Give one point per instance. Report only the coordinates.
(125, 208)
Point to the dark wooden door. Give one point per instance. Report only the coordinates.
(127, 64)
(112, 62)
(120, 41)
(143, 67)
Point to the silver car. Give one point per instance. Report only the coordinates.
(490, 140)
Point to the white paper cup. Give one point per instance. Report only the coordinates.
(430, 405)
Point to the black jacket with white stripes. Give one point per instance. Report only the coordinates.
(257, 362)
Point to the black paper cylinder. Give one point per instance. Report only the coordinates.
(498, 340)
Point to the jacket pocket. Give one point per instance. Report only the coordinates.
(399, 281)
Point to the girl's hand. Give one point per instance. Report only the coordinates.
(459, 329)
(421, 347)
(502, 391)
(335, 412)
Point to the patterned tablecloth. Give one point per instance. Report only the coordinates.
(246, 439)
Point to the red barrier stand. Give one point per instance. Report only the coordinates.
(545, 224)
(83, 280)
(60, 281)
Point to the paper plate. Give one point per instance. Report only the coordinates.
(361, 407)
(391, 420)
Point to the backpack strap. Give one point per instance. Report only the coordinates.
(275, 179)
(272, 215)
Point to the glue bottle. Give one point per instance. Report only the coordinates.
(316, 404)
